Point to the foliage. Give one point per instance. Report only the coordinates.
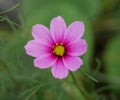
(20, 80)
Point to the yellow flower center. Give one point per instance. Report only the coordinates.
(59, 49)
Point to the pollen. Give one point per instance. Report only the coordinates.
(59, 50)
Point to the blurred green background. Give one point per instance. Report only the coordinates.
(20, 80)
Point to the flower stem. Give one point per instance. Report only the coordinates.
(81, 90)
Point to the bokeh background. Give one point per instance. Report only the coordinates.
(20, 80)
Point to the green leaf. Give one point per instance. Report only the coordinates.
(30, 91)
(10, 9)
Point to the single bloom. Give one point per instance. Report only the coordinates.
(59, 47)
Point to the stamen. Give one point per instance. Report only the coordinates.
(53, 46)
(61, 43)
(59, 49)
(56, 43)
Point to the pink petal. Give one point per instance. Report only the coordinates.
(74, 32)
(59, 70)
(41, 33)
(72, 63)
(36, 48)
(77, 48)
(57, 28)
(45, 61)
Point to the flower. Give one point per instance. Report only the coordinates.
(58, 47)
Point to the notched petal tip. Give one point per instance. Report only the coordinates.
(58, 77)
(57, 74)
(27, 50)
(86, 46)
(57, 28)
(58, 70)
(58, 17)
(44, 61)
(81, 26)
(26, 47)
(72, 63)
(74, 31)
(34, 27)
(40, 32)
(77, 48)
(35, 48)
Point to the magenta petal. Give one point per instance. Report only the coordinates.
(72, 63)
(41, 33)
(36, 48)
(77, 48)
(45, 61)
(74, 31)
(57, 28)
(59, 70)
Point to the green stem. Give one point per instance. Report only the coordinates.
(89, 76)
(10, 9)
(9, 72)
(81, 90)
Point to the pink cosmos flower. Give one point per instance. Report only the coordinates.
(58, 47)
